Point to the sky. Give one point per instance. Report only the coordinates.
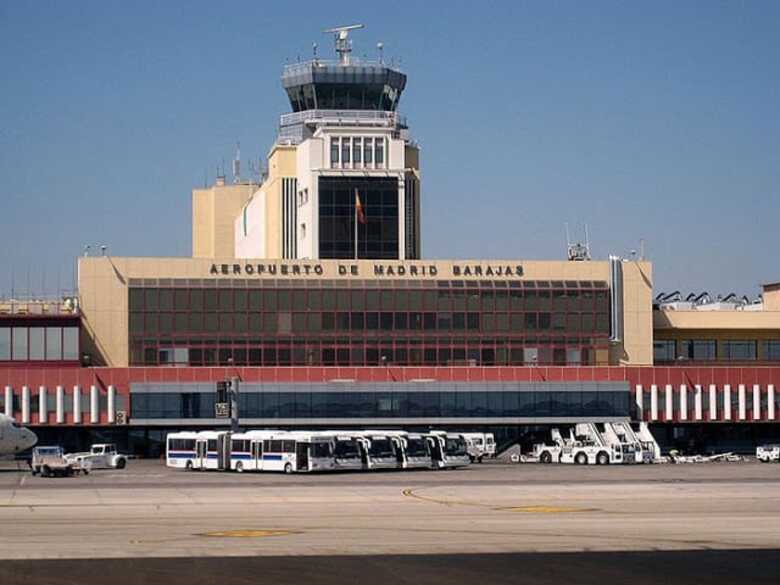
(654, 122)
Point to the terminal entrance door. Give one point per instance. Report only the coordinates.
(257, 454)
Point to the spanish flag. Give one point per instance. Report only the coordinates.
(361, 217)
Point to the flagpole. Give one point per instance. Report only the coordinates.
(356, 224)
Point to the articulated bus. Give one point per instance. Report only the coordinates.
(448, 450)
(288, 451)
(197, 450)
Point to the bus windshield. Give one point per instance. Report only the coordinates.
(455, 446)
(346, 449)
(381, 448)
(417, 448)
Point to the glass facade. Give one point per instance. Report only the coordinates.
(286, 322)
(24, 342)
(377, 237)
(396, 400)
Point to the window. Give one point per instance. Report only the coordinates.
(368, 150)
(334, 151)
(379, 151)
(20, 343)
(36, 343)
(344, 150)
(303, 231)
(5, 343)
(664, 350)
(771, 349)
(739, 350)
(54, 343)
(698, 349)
(356, 150)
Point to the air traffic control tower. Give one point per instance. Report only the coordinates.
(343, 175)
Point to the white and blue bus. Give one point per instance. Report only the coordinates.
(287, 451)
(196, 450)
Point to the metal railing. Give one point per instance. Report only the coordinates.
(361, 117)
(302, 66)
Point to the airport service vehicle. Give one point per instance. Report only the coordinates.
(101, 456)
(381, 450)
(416, 451)
(592, 443)
(480, 445)
(14, 438)
(197, 450)
(180, 449)
(768, 453)
(288, 451)
(347, 453)
(52, 462)
(448, 450)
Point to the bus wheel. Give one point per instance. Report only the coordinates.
(479, 460)
(239, 467)
(288, 468)
(602, 458)
(545, 457)
(120, 463)
(581, 459)
(188, 466)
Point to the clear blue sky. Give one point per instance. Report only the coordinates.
(646, 120)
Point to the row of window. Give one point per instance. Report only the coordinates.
(486, 300)
(670, 350)
(531, 404)
(67, 404)
(285, 323)
(586, 353)
(39, 343)
(357, 152)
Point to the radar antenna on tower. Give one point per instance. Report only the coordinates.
(343, 44)
(578, 251)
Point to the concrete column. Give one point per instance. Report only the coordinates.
(77, 404)
(697, 405)
(727, 402)
(770, 402)
(653, 402)
(94, 405)
(43, 410)
(683, 402)
(9, 401)
(25, 405)
(60, 405)
(111, 404)
(668, 407)
(742, 407)
(713, 402)
(756, 402)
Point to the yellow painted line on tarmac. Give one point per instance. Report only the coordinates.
(536, 509)
(248, 533)
(546, 509)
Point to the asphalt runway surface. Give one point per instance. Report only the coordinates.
(491, 523)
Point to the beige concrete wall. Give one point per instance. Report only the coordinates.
(771, 295)
(214, 211)
(716, 322)
(281, 163)
(103, 284)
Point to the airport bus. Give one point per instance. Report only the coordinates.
(347, 452)
(381, 449)
(287, 451)
(416, 451)
(448, 450)
(196, 450)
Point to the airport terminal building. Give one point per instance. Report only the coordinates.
(310, 286)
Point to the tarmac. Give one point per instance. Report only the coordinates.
(487, 523)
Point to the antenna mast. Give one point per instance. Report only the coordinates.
(237, 164)
(343, 44)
